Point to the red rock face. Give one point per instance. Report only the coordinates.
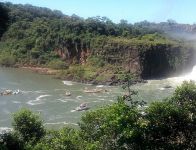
(68, 54)
(84, 55)
(141, 60)
(60, 52)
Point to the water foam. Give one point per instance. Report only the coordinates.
(67, 82)
(73, 110)
(5, 129)
(59, 89)
(192, 75)
(36, 101)
(79, 97)
(64, 101)
(100, 86)
(39, 92)
(16, 102)
(56, 123)
(101, 99)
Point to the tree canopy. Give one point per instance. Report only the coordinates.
(37, 36)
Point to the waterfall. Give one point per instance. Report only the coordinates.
(192, 75)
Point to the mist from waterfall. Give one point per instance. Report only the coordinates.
(189, 37)
(191, 76)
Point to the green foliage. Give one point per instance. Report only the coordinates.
(185, 96)
(163, 125)
(57, 64)
(10, 140)
(63, 139)
(128, 80)
(7, 60)
(76, 71)
(28, 125)
(169, 125)
(4, 19)
(111, 127)
(40, 36)
(153, 37)
(96, 61)
(173, 122)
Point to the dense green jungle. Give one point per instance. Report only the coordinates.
(95, 49)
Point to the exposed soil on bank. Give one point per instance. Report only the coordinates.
(40, 70)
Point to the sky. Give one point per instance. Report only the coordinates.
(182, 11)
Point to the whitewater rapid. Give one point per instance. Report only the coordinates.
(192, 75)
(44, 94)
(187, 77)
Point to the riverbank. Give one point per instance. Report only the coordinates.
(87, 74)
(40, 70)
(97, 75)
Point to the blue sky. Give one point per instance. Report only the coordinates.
(183, 11)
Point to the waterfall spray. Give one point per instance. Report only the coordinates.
(192, 75)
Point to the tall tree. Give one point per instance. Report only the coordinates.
(3, 19)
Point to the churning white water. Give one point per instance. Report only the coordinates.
(191, 76)
(46, 95)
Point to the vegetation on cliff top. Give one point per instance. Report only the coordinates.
(37, 36)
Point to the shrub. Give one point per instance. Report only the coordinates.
(57, 64)
(7, 60)
(172, 123)
(185, 95)
(112, 127)
(168, 127)
(10, 140)
(28, 125)
(66, 138)
(76, 72)
(96, 61)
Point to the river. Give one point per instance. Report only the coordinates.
(45, 95)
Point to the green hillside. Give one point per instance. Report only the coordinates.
(93, 49)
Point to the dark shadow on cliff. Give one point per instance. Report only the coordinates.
(4, 19)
